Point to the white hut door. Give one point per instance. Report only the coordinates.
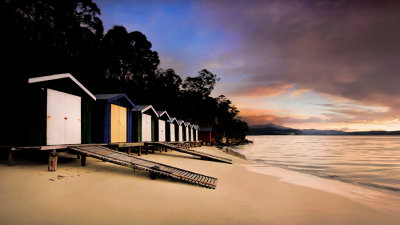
(187, 134)
(146, 127)
(73, 121)
(180, 133)
(172, 129)
(161, 130)
(63, 118)
(191, 134)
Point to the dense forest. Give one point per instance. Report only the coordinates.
(44, 37)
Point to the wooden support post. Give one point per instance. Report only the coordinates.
(78, 156)
(140, 151)
(11, 161)
(83, 160)
(52, 161)
(165, 149)
(129, 150)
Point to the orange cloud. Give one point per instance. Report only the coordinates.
(262, 91)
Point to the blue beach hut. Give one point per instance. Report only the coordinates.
(112, 119)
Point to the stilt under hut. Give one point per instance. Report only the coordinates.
(163, 118)
(59, 109)
(186, 131)
(180, 130)
(112, 119)
(145, 120)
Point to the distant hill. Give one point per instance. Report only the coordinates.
(273, 129)
(321, 132)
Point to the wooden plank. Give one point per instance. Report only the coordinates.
(124, 159)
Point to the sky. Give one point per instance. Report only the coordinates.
(304, 64)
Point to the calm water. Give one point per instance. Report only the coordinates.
(370, 161)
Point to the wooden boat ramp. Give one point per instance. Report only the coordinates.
(178, 148)
(123, 159)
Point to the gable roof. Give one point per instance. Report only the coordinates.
(163, 113)
(205, 128)
(196, 127)
(172, 119)
(180, 122)
(187, 124)
(144, 108)
(58, 77)
(113, 97)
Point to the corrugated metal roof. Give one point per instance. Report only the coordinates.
(112, 97)
(60, 76)
(107, 96)
(161, 113)
(172, 120)
(143, 108)
(205, 128)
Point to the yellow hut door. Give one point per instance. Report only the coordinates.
(118, 123)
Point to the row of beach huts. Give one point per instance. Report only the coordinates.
(68, 113)
(65, 116)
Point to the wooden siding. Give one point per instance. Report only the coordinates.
(101, 120)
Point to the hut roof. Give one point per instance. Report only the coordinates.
(187, 124)
(180, 122)
(205, 128)
(196, 127)
(173, 119)
(113, 97)
(163, 113)
(54, 80)
(144, 108)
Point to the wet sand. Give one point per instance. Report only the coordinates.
(103, 193)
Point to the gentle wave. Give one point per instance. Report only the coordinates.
(367, 161)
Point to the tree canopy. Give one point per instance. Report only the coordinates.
(43, 37)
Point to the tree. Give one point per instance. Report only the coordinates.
(203, 84)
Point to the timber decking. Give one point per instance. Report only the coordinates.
(192, 152)
(127, 160)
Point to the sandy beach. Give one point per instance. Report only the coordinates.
(103, 193)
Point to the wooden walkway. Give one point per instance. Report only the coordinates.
(202, 155)
(123, 159)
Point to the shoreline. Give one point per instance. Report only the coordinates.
(385, 201)
(102, 193)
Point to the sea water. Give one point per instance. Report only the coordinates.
(368, 161)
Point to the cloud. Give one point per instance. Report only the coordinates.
(248, 90)
(346, 49)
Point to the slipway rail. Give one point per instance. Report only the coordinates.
(123, 159)
(202, 155)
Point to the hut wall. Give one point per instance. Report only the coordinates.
(180, 133)
(186, 134)
(205, 136)
(137, 127)
(172, 132)
(101, 122)
(161, 130)
(36, 135)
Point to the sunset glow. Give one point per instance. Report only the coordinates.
(301, 64)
